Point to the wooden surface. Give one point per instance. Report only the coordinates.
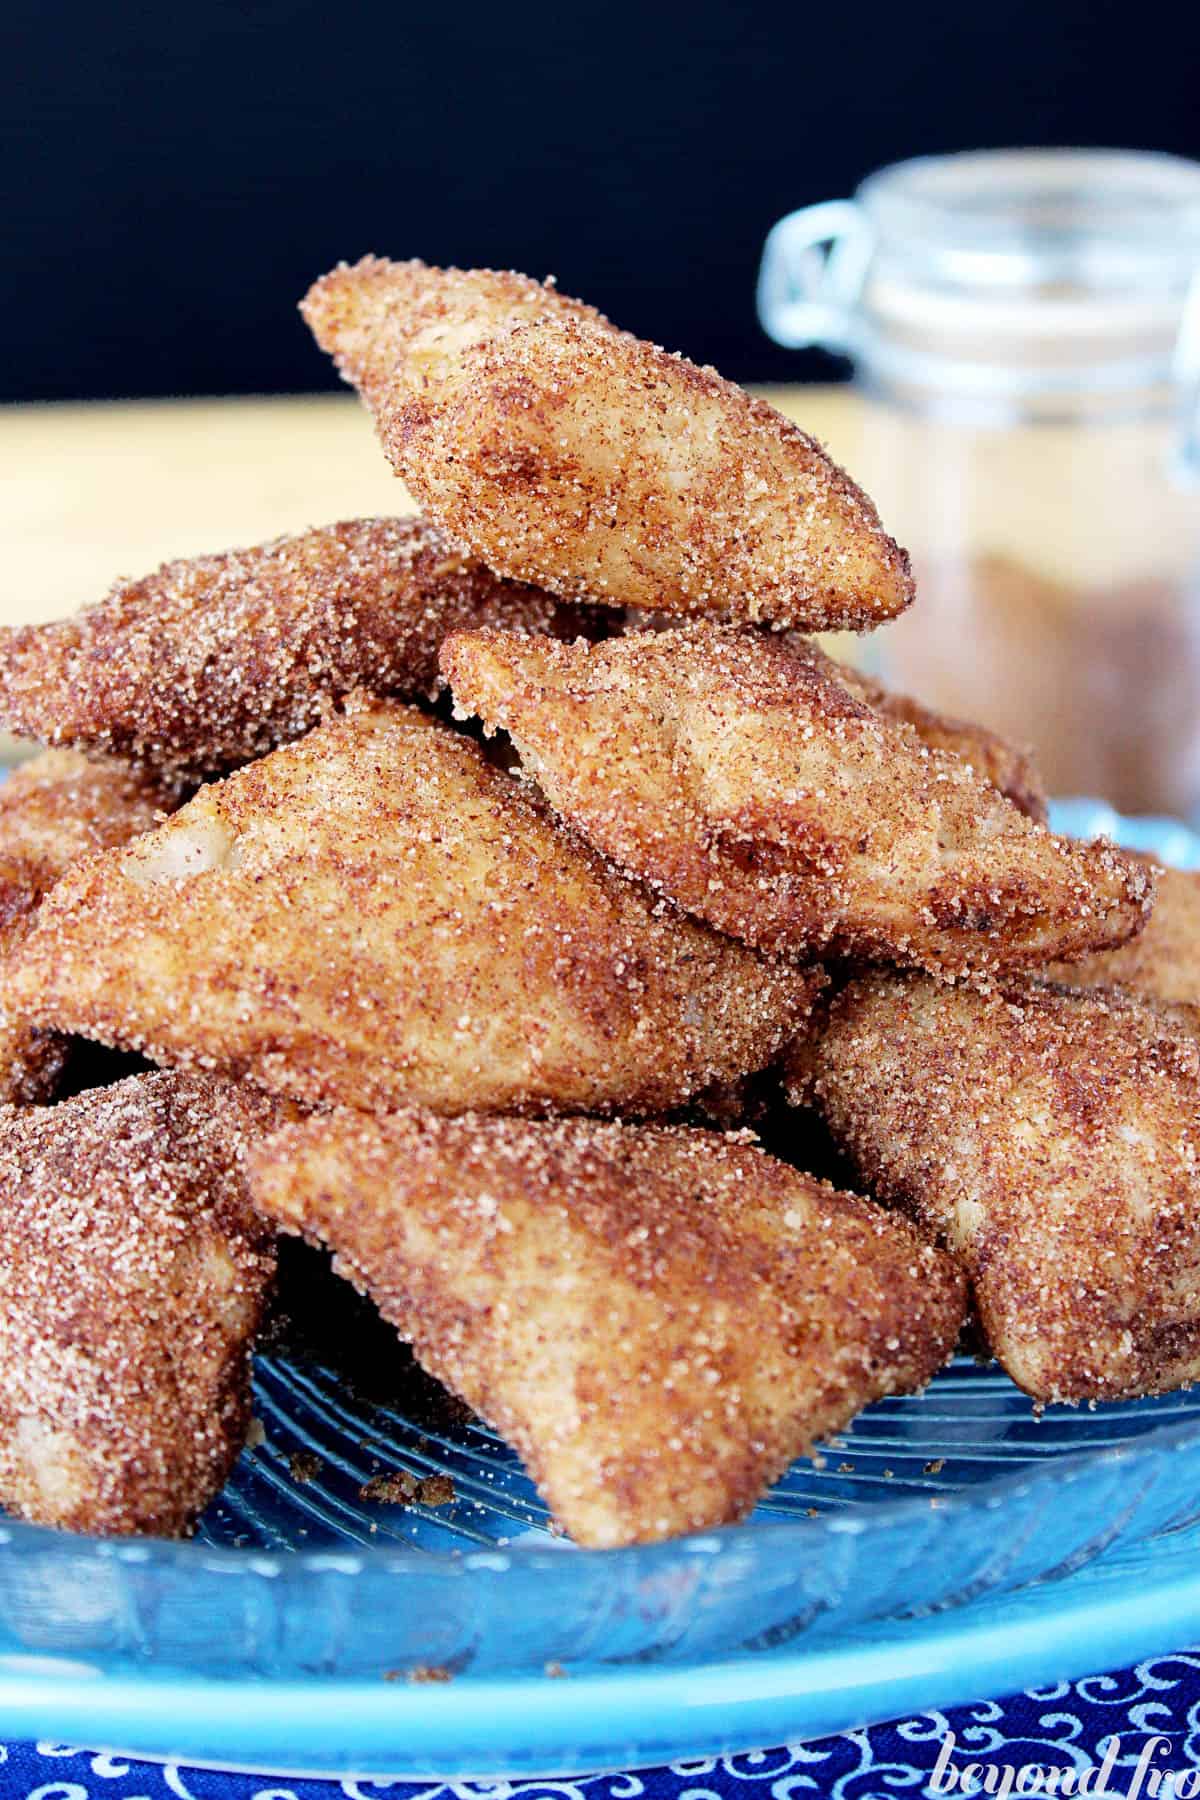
(90, 493)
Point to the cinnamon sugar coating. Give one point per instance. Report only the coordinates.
(54, 809)
(375, 915)
(32, 1061)
(999, 761)
(1050, 1138)
(745, 776)
(215, 660)
(1163, 961)
(134, 1273)
(565, 452)
(659, 1319)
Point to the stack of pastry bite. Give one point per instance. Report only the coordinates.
(473, 1022)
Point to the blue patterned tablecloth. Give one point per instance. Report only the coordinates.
(1137, 1731)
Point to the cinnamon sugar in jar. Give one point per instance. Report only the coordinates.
(1025, 328)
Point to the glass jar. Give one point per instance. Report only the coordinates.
(1025, 330)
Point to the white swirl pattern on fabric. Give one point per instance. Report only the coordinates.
(1067, 1726)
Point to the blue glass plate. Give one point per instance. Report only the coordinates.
(377, 1590)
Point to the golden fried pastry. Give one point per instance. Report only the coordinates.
(31, 1062)
(134, 1273)
(659, 1319)
(213, 661)
(375, 915)
(745, 777)
(1163, 962)
(1051, 1138)
(61, 806)
(999, 761)
(565, 452)
(1005, 765)
(53, 810)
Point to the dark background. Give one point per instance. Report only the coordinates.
(173, 176)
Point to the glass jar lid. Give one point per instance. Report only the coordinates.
(1061, 224)
(1010, 275)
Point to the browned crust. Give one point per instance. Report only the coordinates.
(217, 659)
(659, 1319)
(1007, 766)
(1003, 764)
(32, 1061)
(1163, 961)
(54, 809)
(1050, 1138)
(61, 806)
(134, 1272)
(568, 453)
(374, 915)
(745, 776)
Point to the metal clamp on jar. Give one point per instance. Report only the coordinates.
(1025, 330)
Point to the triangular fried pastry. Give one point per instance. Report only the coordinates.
(1052, 1139)
(659, 1319)
(565, 452)
(1007, 766)
(1163, 961)
(745, 777)
(134, 1274)
(215, 660)
(54, 809)
(375, 915)
(1001, 762)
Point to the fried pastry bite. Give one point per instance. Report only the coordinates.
(54, 809)
(747, 779)
(999, 761)
(565, 452)
(659, 1319)
(1163, 961)
(61, 806)
(134, 1273)
(212, 661)
(1050, 1138)
(1004, 764)
(375, 915)
(32, 1062)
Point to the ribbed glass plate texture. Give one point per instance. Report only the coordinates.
(376, 1534)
